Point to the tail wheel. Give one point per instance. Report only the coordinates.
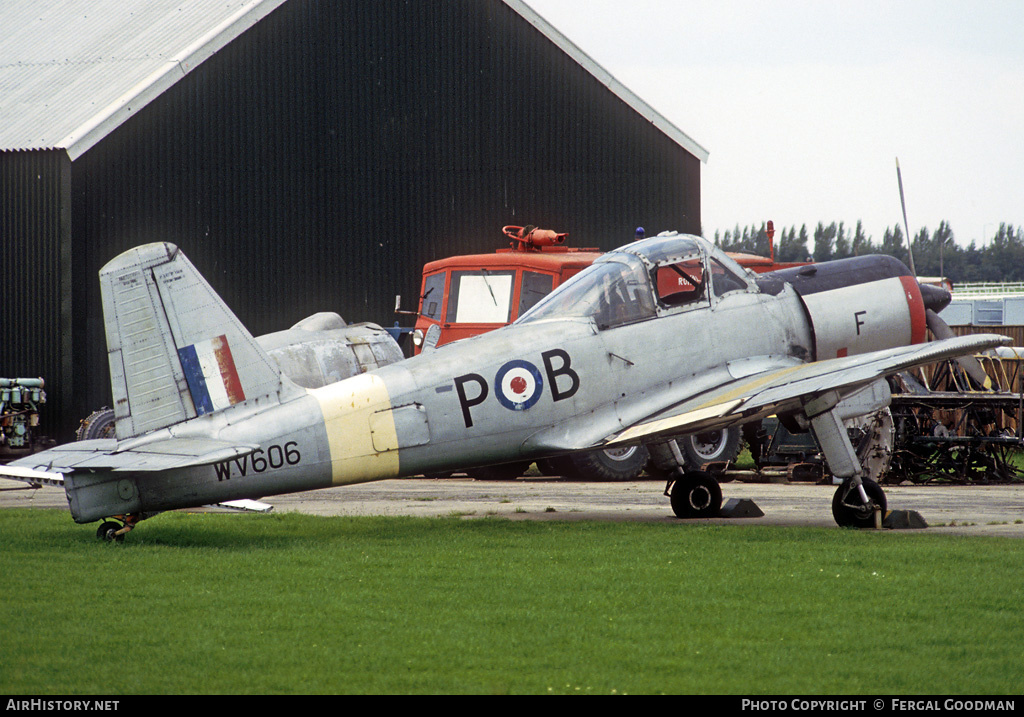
(118, 526)
(696, 495)
(108, 532)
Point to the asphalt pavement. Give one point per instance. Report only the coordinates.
(947, 510)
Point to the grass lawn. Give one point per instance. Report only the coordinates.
(214, 603)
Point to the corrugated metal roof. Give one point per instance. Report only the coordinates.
(73, 70)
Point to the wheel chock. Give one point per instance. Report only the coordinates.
(740, 508)
(903, 520)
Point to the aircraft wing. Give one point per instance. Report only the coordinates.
(49, 467)
(780, 387)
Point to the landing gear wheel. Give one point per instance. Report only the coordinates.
(560, 466)
(505, 471)
(696, 495)
(850, 511)
(108, 532)
(711, 446)
(610, 464)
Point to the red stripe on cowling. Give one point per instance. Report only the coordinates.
(915, 304)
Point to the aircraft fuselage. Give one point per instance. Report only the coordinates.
(626, 351)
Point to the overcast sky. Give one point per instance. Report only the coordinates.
(804, 105)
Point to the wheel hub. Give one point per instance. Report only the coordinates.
(699, 498)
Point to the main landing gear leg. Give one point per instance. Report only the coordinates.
(858, 502)
(116, 529)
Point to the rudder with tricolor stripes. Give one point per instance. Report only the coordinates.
(176, 351)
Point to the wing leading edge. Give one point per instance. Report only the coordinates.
(779, 389)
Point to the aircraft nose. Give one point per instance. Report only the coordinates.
(935, 297)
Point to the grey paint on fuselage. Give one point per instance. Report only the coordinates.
(624, 375)
(292, 456)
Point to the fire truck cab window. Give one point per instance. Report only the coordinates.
(480, 297)
(535, 287)
(433, 296)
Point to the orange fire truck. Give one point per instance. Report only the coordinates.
(462, 296)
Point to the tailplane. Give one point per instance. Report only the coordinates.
(176, 350)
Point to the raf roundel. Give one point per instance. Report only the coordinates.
(518, 385)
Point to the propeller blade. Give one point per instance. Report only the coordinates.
(906, 227)
(971, 366)
(935, 297)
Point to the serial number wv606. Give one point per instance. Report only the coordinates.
(259, 461)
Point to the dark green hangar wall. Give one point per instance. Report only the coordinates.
(36, 272)
(316, 163)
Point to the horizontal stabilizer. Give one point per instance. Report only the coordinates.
(32, 476)
(106, 455)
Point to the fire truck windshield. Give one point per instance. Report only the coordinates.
(480, 297)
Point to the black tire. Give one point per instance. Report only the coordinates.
(99, 424)
(505, 471)
(696, 495)
(610, 464)
(662, 463)
(848, 509)
(557, 466)
(107, 532)
(719, 446)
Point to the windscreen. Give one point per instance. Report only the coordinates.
(612, 292)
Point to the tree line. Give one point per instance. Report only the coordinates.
(935, 252)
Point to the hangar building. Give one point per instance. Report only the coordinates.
(306, 155)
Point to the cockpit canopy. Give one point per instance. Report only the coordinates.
(661, 275)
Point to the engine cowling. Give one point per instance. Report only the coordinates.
(323, 349)
(859, 304)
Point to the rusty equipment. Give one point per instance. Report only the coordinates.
(949, 429)
(20, 399)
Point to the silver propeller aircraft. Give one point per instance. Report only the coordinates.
(660, 338)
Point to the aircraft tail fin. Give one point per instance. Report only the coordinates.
(176, 351)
